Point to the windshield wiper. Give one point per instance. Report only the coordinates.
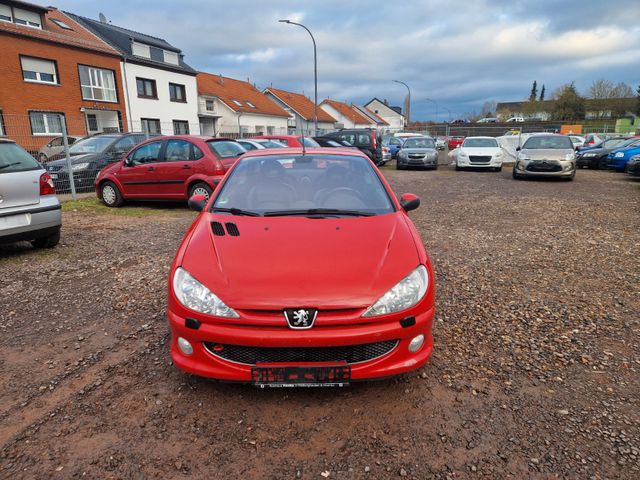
(235, 211)
(9, 165)
(319, 211)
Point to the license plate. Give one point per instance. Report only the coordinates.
(301, 376)
(54, 176)
(15, 221)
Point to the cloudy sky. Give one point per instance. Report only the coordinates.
(458, 54)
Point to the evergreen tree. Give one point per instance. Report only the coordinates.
(542, 93)
(534, 91)
(568, 104)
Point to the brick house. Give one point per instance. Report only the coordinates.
(52, 66)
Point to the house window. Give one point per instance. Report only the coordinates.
(140, 50)
(27, 18)
(46, 123)
(208, 104)
(180, 127)
(251, 105)
(92, 122)
(97, 84)
(177, 93)
(146, 88)
(237, 102)
(156, 54)
(39, 70)
(61, 24)
(271, 130)
(151, 125)
(171, 57)
(5, 13)
(2, 129)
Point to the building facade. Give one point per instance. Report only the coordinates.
(391, 115)
(161, 89)
(302, 112)
(346, 115)
(231, 107)
(54, 72)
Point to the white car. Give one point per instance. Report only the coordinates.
(577, 141)
(515, 119)
(480, 152)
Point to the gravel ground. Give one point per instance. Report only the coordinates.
(534, 371)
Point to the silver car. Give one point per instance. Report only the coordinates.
(54, 149)
(546, 156)
(418, 152)
(29, 208)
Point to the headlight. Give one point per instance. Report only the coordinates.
(79, 166)
(195, 296)
(570, 156)
(405, 294)
(523, 156)
(619, 155)
(402, 154)
(497, 154)
(589, 154)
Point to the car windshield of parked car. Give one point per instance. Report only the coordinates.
(480, 142)
(226, 149)
(14, 158)
(419, 143)
(309, 142)
(270, 144)
(544, 142)
(324, 185)
(91, 145)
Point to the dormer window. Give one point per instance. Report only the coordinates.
(251, 105)
(237, 102)
(20, 16)
(156, 54)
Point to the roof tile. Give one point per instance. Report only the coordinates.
(348, 111)
(301, 105)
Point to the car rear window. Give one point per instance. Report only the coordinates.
(551, 142)
(13, 158)
(226, 149)
(309, 142)
(419, 143)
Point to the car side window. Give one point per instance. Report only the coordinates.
(147, 153)
(364, 139)
(178, 151)
(124, 145)
(394, 141)
(56, 142)
(348, 138)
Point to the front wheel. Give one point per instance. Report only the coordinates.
(111, 196)
(200, 188)
(458, 168)
(515, 175)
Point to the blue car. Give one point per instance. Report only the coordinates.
(618, 158)
(394, 144)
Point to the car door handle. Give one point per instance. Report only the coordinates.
(152, 169)
(186, 167)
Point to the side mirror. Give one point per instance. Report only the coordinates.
(128, 162)
(197, 203)
(518, 149)
(409, 201)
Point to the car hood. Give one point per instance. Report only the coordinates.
(287, 262)
(626, 150)
(548, 153)
(419, 150)
(62, 163)
(480, 151)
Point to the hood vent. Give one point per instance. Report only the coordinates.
(218, 229)
(232, 229)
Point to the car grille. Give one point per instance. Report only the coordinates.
(479, 158)
(544, 167)
(254, 355)
(416, 156)
(54, 168)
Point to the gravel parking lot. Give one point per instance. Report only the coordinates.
(535, 370)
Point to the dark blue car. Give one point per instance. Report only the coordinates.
(618, 158)
(394, 144)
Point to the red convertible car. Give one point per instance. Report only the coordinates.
(302, 269)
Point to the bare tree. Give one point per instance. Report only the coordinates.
(488, 108)
(622, 90)
(600, 89)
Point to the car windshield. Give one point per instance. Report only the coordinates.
(480, 142)
(419, 143)
(309, 142)
(226, 148)
(91, 145)
(14, 158)
(551, 142)
(325, 185)
(621, 142)
(270, 144)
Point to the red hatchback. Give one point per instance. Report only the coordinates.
(454, 142)
(168, 168)
(301, 270)
(292, 141)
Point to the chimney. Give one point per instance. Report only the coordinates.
(385, 102)
(221, 79)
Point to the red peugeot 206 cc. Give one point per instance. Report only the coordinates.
(303, 269)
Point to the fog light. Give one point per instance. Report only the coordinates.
(185, 346)
(416, 343)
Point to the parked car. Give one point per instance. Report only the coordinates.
(332, 142)
(479, 152)
(633, 166)
(514, 119)
(88, 157)
(454, 142)
(367, 140)
(54, 149)
(457, 121)
(577, 141)
(259, 293)
(590, 140)
(546, 156)
(168, 168)
(292, 141)
(409, 134)
(487, 120)
(597, 157)
(441, 143)
(418, 152)
(29, 208)
(259, 144)
(618, 158)
(393, 143)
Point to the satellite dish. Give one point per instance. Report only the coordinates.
(103, 19)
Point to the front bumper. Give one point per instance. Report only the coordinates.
(33, 222)
(465, 162)
(584, 161)
(203, 362)
(617, 163)
(425, 162)
(545, 168)
(633, 168)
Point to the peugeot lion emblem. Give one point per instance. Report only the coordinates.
(300, 318)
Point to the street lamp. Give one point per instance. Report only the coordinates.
(436, 104)
(315, 73)
(408, 101)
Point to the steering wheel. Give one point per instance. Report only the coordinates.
(344, 190)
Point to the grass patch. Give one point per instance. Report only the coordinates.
(93, 205)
